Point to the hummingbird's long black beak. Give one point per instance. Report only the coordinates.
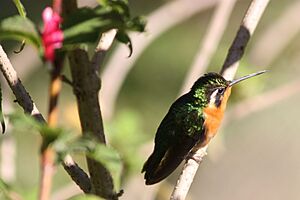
(233, 82)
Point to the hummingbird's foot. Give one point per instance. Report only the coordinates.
(196, 157)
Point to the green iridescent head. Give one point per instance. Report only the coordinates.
(211, 87)
(210, 81)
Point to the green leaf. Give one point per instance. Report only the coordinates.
(86, 25)
(26, 122)
(124, 38)
(119, 5)
(22, 12)
(128, 124)
(20, 8)
(20, 28)
(105, 155)
(23, 121)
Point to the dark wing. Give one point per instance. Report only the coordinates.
(175, 137)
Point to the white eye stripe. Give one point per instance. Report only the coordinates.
(213, 96)
(216, 96)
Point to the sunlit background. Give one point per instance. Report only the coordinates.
(254, 156)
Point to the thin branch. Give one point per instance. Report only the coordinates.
(77, 174)
(22, 96)
(158, 22)
(104, 44)
(86, 83)
(229, 68)
(238, 46)
(210, 42)
(187, 175)
(47, 170)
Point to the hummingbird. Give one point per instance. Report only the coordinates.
(191, 122)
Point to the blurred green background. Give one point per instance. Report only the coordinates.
(254, 156)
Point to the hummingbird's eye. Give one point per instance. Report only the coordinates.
(221, 90)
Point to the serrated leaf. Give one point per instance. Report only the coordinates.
(124, 38)
(119, 5)
(137, 24)
(19, 28)
(85, 25)
(20, 8)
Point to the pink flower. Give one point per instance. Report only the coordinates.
(52, 35)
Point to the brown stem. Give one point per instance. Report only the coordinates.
(48, 153)
(86, 85)
(54, 91)
(77, 174)
(47, 165)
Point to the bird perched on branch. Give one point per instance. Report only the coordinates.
(191, 122)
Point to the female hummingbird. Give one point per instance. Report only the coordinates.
(192, 120)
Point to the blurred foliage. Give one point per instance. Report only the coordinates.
(126, 135)
(4, 190)
(20, 28)
(65, 142)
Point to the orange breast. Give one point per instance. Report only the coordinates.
(213, 117)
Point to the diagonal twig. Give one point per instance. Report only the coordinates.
(246, 30)
(86, 83)
(235, 53)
